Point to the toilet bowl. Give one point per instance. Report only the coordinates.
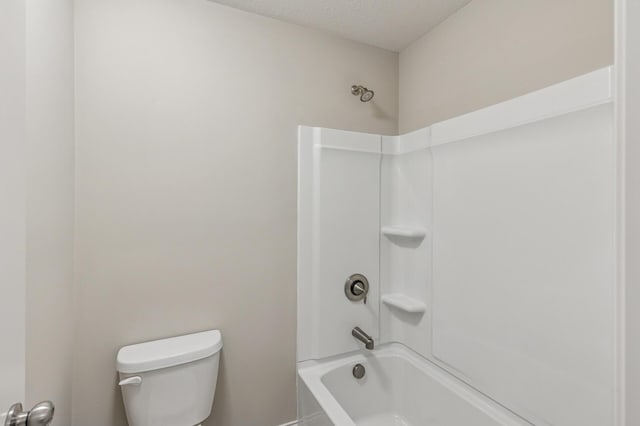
(170, 382)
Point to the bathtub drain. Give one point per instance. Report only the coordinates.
(358, 371)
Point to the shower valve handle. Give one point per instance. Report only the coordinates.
(356, 288)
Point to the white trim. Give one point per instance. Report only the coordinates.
(306, 170)
(349, 141)
(341, 148)
(619, 126)
(407, 143)
(293, 423)
(582, 92)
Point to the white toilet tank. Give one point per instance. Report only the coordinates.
(170, 382)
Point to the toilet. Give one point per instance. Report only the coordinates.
(170, 382)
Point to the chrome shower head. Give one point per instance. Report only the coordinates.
(365, 94)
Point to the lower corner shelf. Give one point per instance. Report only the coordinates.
(404, 303)
(404, 232)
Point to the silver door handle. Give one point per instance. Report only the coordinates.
(40, 415)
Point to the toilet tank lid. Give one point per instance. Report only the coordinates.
(170, 352)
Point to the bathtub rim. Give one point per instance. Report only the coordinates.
(311, 372)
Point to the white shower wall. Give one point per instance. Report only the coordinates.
(405, 263)
(496, 248)
(524, 265)
(337, 237)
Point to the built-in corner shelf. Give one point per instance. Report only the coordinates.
(404, 303)
(404, 232)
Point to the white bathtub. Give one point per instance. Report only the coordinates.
(399, 389)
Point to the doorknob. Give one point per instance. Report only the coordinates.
(40, 415)
(15, 416)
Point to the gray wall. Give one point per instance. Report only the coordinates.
(36, 213)
(50, 205)
(494, 50)
(12, 200)
(629, 46)
(186, 131)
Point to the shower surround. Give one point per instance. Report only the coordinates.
(489, 246)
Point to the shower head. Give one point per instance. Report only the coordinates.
(365, 94)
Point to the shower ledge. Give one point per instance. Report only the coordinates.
(404, 303)
(404, 232)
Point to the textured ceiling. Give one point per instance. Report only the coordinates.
(390, 24)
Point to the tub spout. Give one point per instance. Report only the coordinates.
(363, 337)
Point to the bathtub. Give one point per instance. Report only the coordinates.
(399, 388)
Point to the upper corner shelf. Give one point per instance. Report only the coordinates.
(404, 232)
(404, 303)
